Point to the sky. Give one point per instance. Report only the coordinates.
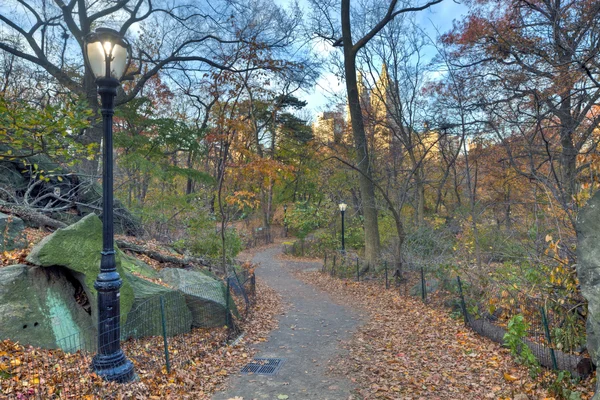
(438, 18)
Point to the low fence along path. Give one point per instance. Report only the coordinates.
(307, 340)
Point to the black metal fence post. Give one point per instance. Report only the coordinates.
(324, 264)
(548, 337)
(423, 286)
(357, 271)
(164, 330)
(253, 288)
(333, 266)
(227, 307)
(463, 306)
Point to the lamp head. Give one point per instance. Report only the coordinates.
(107, 53)
(342, 206)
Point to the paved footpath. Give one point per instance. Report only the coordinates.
(308, 338)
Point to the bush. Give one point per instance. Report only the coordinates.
(426, 246)
(513, 339)
(203, 239)
(496, 245)
(304, 219)
(209, 243)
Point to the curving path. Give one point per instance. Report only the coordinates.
(308, 338)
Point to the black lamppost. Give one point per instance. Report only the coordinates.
(285, 219)
(106, 53)
(343, 206)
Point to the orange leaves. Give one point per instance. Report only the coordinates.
(18, 256)
(409, 350)
(13, 257)
(242, 199)
(199, 359)
(509, 378)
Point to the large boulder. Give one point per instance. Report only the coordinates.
(588, 271)
(11, 233)
(77, 247)
(147, 314)
(205, 296)
(54, 303)
(37, 307)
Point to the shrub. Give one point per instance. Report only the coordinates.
(209, 243)
(513, 339)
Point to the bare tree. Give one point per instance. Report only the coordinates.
(340, 32)
(197, 36)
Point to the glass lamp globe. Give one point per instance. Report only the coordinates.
(107, 53)
(342, 206)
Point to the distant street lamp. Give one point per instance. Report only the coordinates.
(107, 55)
(285, 219)
(343, 206)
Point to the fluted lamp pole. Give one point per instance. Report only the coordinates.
(107, 56)
(342, 207)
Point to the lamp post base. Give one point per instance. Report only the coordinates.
(113, 367)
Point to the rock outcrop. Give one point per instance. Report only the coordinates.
(11, 233)
(77, 248)
(53, 304)
(588, 271)
(205, 296)
(38, 307)
(153, 305)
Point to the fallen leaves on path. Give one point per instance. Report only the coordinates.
(201, 361)
(407, 350)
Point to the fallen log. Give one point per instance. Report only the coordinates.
(31, 216)
(578, 366)
(186, 262)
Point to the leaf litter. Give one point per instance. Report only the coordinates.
(408, 350)
(202, 360)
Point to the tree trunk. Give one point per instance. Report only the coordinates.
(401, 236)
(186, 261)
(420, 184)
(367, 191)
(568, 156)
(31, 216)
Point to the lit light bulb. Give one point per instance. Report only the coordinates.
(107, 48)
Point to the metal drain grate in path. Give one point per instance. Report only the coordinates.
(263, 366)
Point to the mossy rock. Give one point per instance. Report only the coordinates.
(37, 308)
(205, 296)
(146, 315)
(77, 247)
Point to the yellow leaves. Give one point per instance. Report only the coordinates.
(242, 199)
(200, 363)
(509, 378)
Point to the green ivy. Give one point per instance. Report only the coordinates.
(513, 339)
